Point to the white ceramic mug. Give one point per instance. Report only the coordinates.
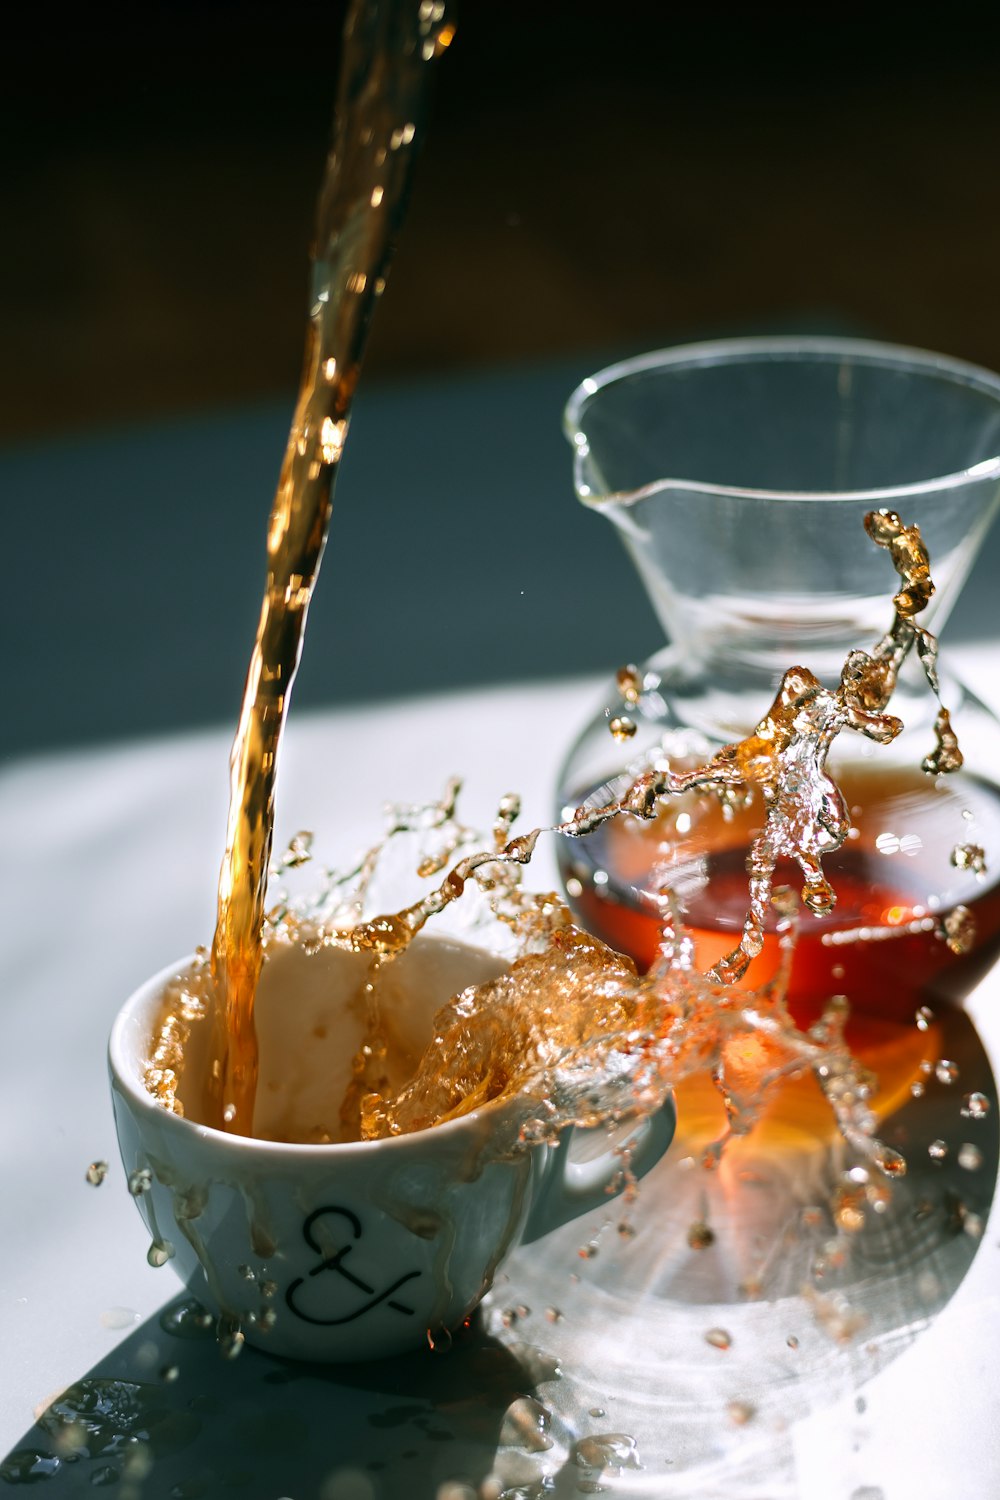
(361, 1249)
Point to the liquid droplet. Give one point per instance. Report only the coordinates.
(608, 1450)
(140, 1181)
(792, 1341)
(849, 1207)
(537, 1366)
(159, 1252)
(819, 896)
(629, 681)
(924, 1018)
(526, 1425)
(969, 857)
(835, 1315)
(888, 1160)
(946, 755)
(28, 1466)
(187, 1320)
(958, 928)
(937, 1150)
(740, 1412)
(622, 727)
(231, 1338)
(553, 1314)
(700, 1236)
(299, 851)
(119, 1317)
(975, 1106)
(879, 1196)
(969, 1156)
(718, 1338)
(169, 1374)
(96, 1173)
(946, 1071)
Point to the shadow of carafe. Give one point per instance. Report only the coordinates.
(166, 1417)
(735, 1309)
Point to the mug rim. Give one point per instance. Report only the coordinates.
(123, 1080)
(772, 347)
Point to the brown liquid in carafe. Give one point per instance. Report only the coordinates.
(885, 945)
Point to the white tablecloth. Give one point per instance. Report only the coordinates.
(110, 866)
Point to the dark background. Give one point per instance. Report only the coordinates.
(598, 180)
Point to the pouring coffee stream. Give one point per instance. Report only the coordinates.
(381, 101)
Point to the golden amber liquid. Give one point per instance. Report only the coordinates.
(881, 945)
(387, 49)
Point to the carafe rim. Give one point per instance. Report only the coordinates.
(735, 350)
(620, 499)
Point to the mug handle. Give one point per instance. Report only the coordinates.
(569, 1188)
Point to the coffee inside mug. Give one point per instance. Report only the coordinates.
(310, 1014)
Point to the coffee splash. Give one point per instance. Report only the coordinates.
(604, 1041)
(387, 50)
(571, 1030)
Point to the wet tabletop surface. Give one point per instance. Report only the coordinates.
(638, 1365)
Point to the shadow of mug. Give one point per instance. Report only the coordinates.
(164, 1418)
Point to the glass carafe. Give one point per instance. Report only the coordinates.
(738, 475)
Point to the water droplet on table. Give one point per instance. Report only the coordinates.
(526, 1425)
